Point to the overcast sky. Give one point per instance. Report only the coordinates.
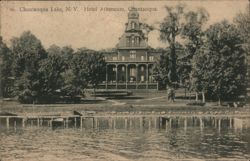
(96, 29)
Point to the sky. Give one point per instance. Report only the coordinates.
(95, 24)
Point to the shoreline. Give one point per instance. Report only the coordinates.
(177, 108)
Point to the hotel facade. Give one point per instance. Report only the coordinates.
(131, 66)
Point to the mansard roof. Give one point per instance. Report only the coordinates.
(123, 41)
(133, 32)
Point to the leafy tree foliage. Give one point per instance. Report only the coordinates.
(170, 28)
(54, 50)
(220, 67)
(51, 70)
(161, 70)
(185, 25)
(87, 68)
(242, 21)
(193, 35)
(75, 77)
(28, 52)
(5, 69)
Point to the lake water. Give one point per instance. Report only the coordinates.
(129, 139)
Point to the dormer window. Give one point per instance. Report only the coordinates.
(133, 25)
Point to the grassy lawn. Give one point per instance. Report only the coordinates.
(139, 102)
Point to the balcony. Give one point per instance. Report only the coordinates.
(129, 60)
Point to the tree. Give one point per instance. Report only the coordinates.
(27, 53)
(220, 68)
(203, 70)
(54, 50)
(193, 35)
(161, 69)
(170, 28)
(96, 69)
(5, 69)
(86, 68)
(51, 70)
(242, 21)
(75, 76)
(67, 52)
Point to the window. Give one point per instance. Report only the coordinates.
(128, 41)
(132, 56)
(133, 41)
(114, 69)
(142, 68)
(137, 40)
(114, 58)
(132, 72)
(142, 58)
(142, 78)
(151, 58)
(133, 25)
(123, 68)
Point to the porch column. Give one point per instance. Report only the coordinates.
(126, 123)
(106, 77)
(201, 124)
(141, 122)
(149, 123)
(23, 122)
(219, 124)
(136, 75)
(185, 124)
(146, 76)
(126, 66)
(7, 122)
(116, 75)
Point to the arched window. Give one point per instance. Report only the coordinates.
(133, 41)
(128, 41)
(137, 40)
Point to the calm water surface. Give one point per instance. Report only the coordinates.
(149, 139)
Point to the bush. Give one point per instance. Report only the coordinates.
(196, 104)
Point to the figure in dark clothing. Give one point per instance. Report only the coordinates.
(171, 94)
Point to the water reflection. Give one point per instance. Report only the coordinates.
(139, 122)
(126, 138)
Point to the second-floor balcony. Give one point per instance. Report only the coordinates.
(128, 59)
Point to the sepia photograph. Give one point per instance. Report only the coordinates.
(127, 80)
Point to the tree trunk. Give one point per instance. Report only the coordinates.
(185, 92)
(196, 96)
(203, 97)
(173, 63)
(219, 102)
(94, 93)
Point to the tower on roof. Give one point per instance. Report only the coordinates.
(133, 36)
